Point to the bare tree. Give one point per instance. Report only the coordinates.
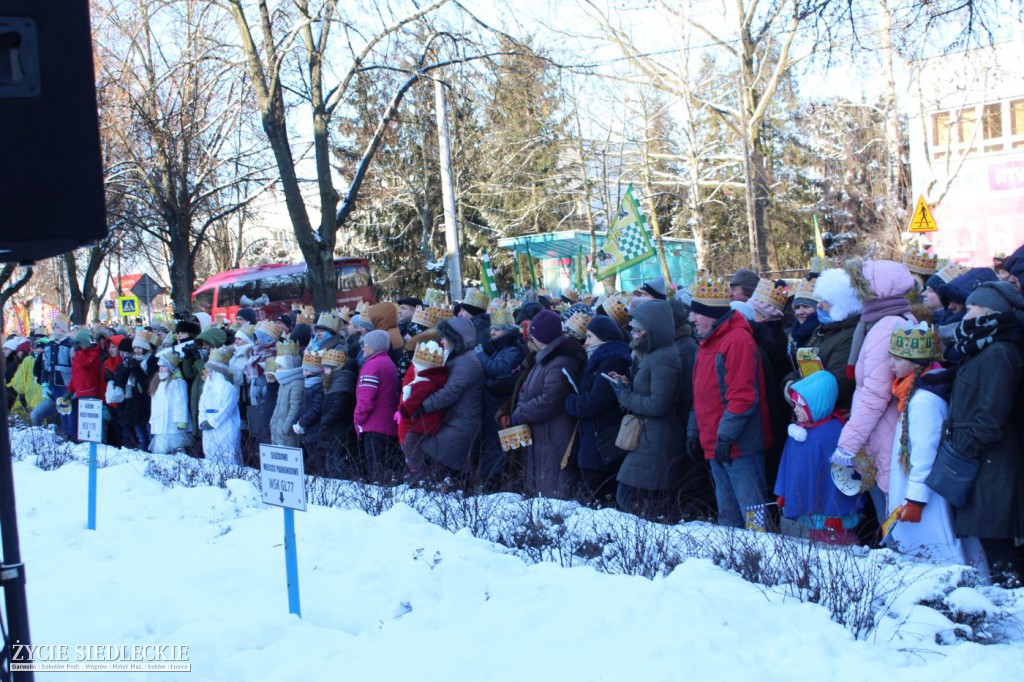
(174, 104)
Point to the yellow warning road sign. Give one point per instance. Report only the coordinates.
(127, 305)
(922, 220)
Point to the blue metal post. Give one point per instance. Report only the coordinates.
(92, 486)
(291, 561)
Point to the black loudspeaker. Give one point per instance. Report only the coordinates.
(51, 169)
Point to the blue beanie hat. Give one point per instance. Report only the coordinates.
(961, 287)
(604, 328)
(819, 391)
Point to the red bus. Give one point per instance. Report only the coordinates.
(283, 284)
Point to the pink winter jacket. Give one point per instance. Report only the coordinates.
(377, 396)
(873, 416)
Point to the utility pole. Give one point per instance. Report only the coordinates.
(451, 221)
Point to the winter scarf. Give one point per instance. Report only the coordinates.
(286, 376)
(801, 332)
(873, 311)
(310, 382)
(972, 336)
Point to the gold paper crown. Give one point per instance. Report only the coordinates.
(172, 358)
(334, 357)
(428, 354)
(576, 325)
(476, 298)
(617, 307)
(571, 294)
(312, 360)
(920, 262)
(513, 303)
(288, 347)
(330, 321)
(362, 308)
(220, 318)
(767, 293)
(501, 316)
(951, 271)
(713, 292)
(269, 328)
(306, 316)
(344, 314)
(143, 336)
(248, 331)
(805, 290)
(271, 366)
(431, 315)
(917, 342)
(435, 297)
(588, 299)
(221, 355)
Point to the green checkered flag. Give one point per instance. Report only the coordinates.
(487, 284)
(628, 242)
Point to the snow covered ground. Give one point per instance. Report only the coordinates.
(396, 597)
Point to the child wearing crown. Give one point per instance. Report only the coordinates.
(424, 377)
(219, 419)
(169, 421)
(922, 389)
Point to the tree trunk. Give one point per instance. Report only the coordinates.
(181, 267)
(762, 198)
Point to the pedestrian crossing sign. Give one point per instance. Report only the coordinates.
(128, 305)
(922, 220)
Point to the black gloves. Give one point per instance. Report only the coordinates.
(722, 452)
(191, 351)
(693, 448)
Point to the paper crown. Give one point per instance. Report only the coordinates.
(288, 347)
(570, 295)
(617, 307)
(312, 360)
(344, 314)
(271, 366)
(476, 298)
(951, 271)
(270, 329)
(248, 331)
(500, 316)
(306, 316)
(143, 339)
(587, 298)
(920, 262)
(219, 358)
(329, 321)
(362, 308)
(172, 359)
(62, 320)
(576, 325)
(428, 354)
(916, 342)
(803, 294)
(431, 315)
(769, 294)
(713, 292)
(334, 357)
(435, 297)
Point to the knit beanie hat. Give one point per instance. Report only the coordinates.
(125, 345)
(1015, 263)
(377, 340)
(364, 322)
(301, 333)
(546, 326)
(247, 314)
(83, 338)
(1001, 297)
(834, 287)
(604, 328)
(817, 393)
(961, 287)
(743, 308)
(655, 287)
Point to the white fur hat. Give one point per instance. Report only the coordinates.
(834, 287)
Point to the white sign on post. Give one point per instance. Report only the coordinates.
(90, 420)
(282, 476)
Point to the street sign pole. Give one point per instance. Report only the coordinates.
(291, 562)
(90, 428)
(91, 522)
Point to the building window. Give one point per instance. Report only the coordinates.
(992, 127)
(966, 125)
(1017, 117)
(940, 131)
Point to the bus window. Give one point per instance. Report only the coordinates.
(203, 300)
(282, 287)
(353, 276)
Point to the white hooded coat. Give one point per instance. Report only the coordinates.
(218, 406)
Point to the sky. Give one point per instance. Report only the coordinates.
(396, 597)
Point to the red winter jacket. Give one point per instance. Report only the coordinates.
(729, 391)
(85, 373)
(413, 417)
(377, 396)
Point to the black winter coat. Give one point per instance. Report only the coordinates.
(596, 406)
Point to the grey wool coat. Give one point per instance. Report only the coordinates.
(657, 463)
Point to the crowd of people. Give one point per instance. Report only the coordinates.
(874, 398)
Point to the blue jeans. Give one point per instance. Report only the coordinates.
(48, 408)
(739, 485)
